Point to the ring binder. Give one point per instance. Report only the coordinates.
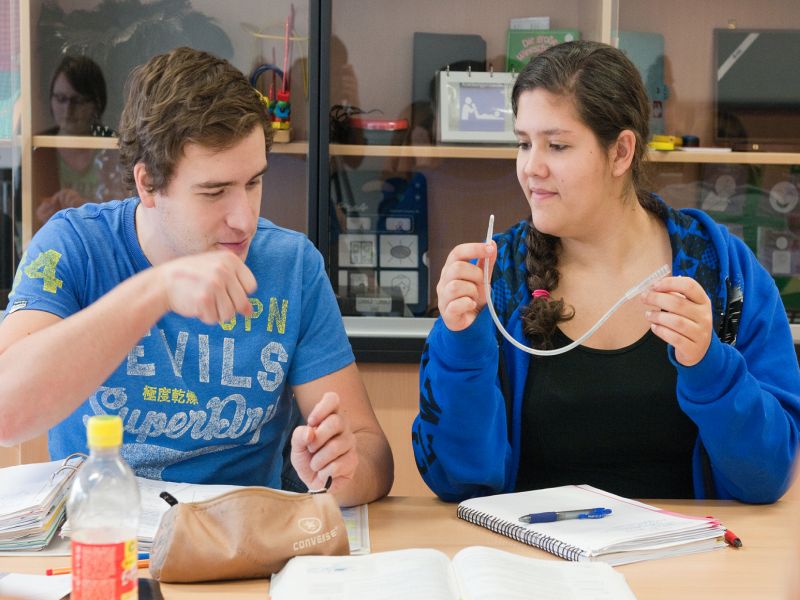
(66, 466)
(32, 502)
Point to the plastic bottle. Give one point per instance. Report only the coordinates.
(103, 511)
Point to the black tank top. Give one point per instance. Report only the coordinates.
(609, 418)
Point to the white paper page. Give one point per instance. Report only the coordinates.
(154, 507)
(629, 519)
(624, 558)
(356, 520)
(487, 574)
(35, 587)
(397, 575)
(26, 486)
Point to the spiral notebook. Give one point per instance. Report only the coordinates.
(634, 531)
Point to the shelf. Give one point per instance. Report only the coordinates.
(739, 158)
(476, 152)
(389, 327)
(510, 152)
(110, 143)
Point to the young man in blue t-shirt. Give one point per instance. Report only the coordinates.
(186, 314)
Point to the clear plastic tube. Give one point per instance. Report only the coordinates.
(662, 271)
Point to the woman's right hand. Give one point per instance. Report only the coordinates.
(460, 289)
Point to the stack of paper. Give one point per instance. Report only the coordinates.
(356, 520)
(633, 531)
(32, 502)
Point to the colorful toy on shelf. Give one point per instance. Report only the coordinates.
(277, 101)
(281, 111)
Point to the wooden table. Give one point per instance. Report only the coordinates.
(761, 569)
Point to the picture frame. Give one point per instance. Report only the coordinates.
(358, 250)
(475, 107)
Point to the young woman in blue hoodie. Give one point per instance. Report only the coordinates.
(690, 389)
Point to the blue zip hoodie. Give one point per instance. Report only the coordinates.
(744, 395)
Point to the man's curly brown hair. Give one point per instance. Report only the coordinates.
(184, 96)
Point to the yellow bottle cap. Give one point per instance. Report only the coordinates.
(104, 431)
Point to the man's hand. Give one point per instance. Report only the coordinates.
(684, 320)
(325, 447)
(212, 286)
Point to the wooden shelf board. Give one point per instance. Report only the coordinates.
(104, 143)
(475, 152)
(510, 152)
(748, 158)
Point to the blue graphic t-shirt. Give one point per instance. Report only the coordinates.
(199, 403)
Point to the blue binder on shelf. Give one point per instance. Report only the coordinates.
(379, 245)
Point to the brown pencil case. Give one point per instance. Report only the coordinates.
(247, 533)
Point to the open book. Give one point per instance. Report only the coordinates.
(475, 573)
(633, 531)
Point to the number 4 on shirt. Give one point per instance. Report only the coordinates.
(44, 267)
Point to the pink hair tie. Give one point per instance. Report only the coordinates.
(541, 294)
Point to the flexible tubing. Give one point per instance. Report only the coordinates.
(631, 293)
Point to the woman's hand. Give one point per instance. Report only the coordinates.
(684, 320)
(460, 288)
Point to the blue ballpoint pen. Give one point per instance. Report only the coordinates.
(549, 517)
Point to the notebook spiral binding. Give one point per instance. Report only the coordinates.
(521, 534)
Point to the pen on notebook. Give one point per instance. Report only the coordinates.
(562, 515)
(141, 564)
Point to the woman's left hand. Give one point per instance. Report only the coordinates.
(680, 314)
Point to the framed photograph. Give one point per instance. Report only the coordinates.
(407, 282)
(354, 282)
(475, 107)
(399, 251)
(779, 251)
(358, 250)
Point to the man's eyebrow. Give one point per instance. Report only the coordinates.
(218, 184)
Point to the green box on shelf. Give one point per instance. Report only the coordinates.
(523, 44)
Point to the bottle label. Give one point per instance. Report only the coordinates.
(104, 571)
